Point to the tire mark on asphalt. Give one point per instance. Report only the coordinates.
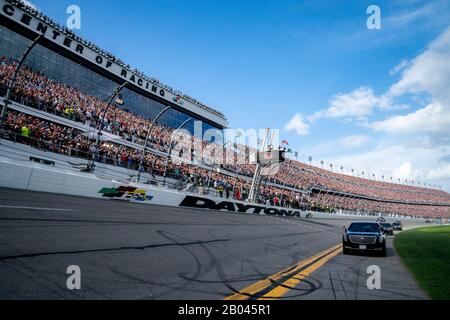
(358, 272)
(116, 222)
(198, 264)
(308, 280)
(332, 285)
(30, 255)
(34, 279)
(227, 282)
(57, 283)
(34, 208)
(280, 280)
(342, 285)
(176, 287)
(220, 272)
(233, 257)
(34, 270)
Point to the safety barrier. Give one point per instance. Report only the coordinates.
(40, 177)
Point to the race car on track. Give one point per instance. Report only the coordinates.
(387, 228)
(364, 237)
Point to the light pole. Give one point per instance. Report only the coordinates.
(141, 161)
(12, 82)
(100, 126)
(170, 148)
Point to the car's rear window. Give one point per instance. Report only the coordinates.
(363, 227)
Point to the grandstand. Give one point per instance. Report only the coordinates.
(60, 95)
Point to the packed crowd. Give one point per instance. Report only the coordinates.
(328, 202)
(37, 13)
(34, 89)
(307, 177)
(49, 136)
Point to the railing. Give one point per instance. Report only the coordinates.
(83, 154)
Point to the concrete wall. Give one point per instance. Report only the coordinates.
(20, 153)
(40, 177)
(45, 178)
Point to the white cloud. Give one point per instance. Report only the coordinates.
(356, 104)
(434, 118)
(298, 124)
(402, 65)
(405, 171)
(418, 139)
(416, 159)
(354, 141)
(407, 18)
(439, 173)
(428, 73)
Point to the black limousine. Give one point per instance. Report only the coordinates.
(364, 236)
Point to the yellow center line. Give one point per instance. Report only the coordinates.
(255, 288)
(292, 282)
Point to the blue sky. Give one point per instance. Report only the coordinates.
(354, 94)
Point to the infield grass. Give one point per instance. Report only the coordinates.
(426, 253)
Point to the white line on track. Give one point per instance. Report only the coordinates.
(304, 225)
(34, 208)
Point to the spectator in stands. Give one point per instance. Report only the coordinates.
(326, 190)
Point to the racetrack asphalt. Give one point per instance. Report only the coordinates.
(137, 251)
